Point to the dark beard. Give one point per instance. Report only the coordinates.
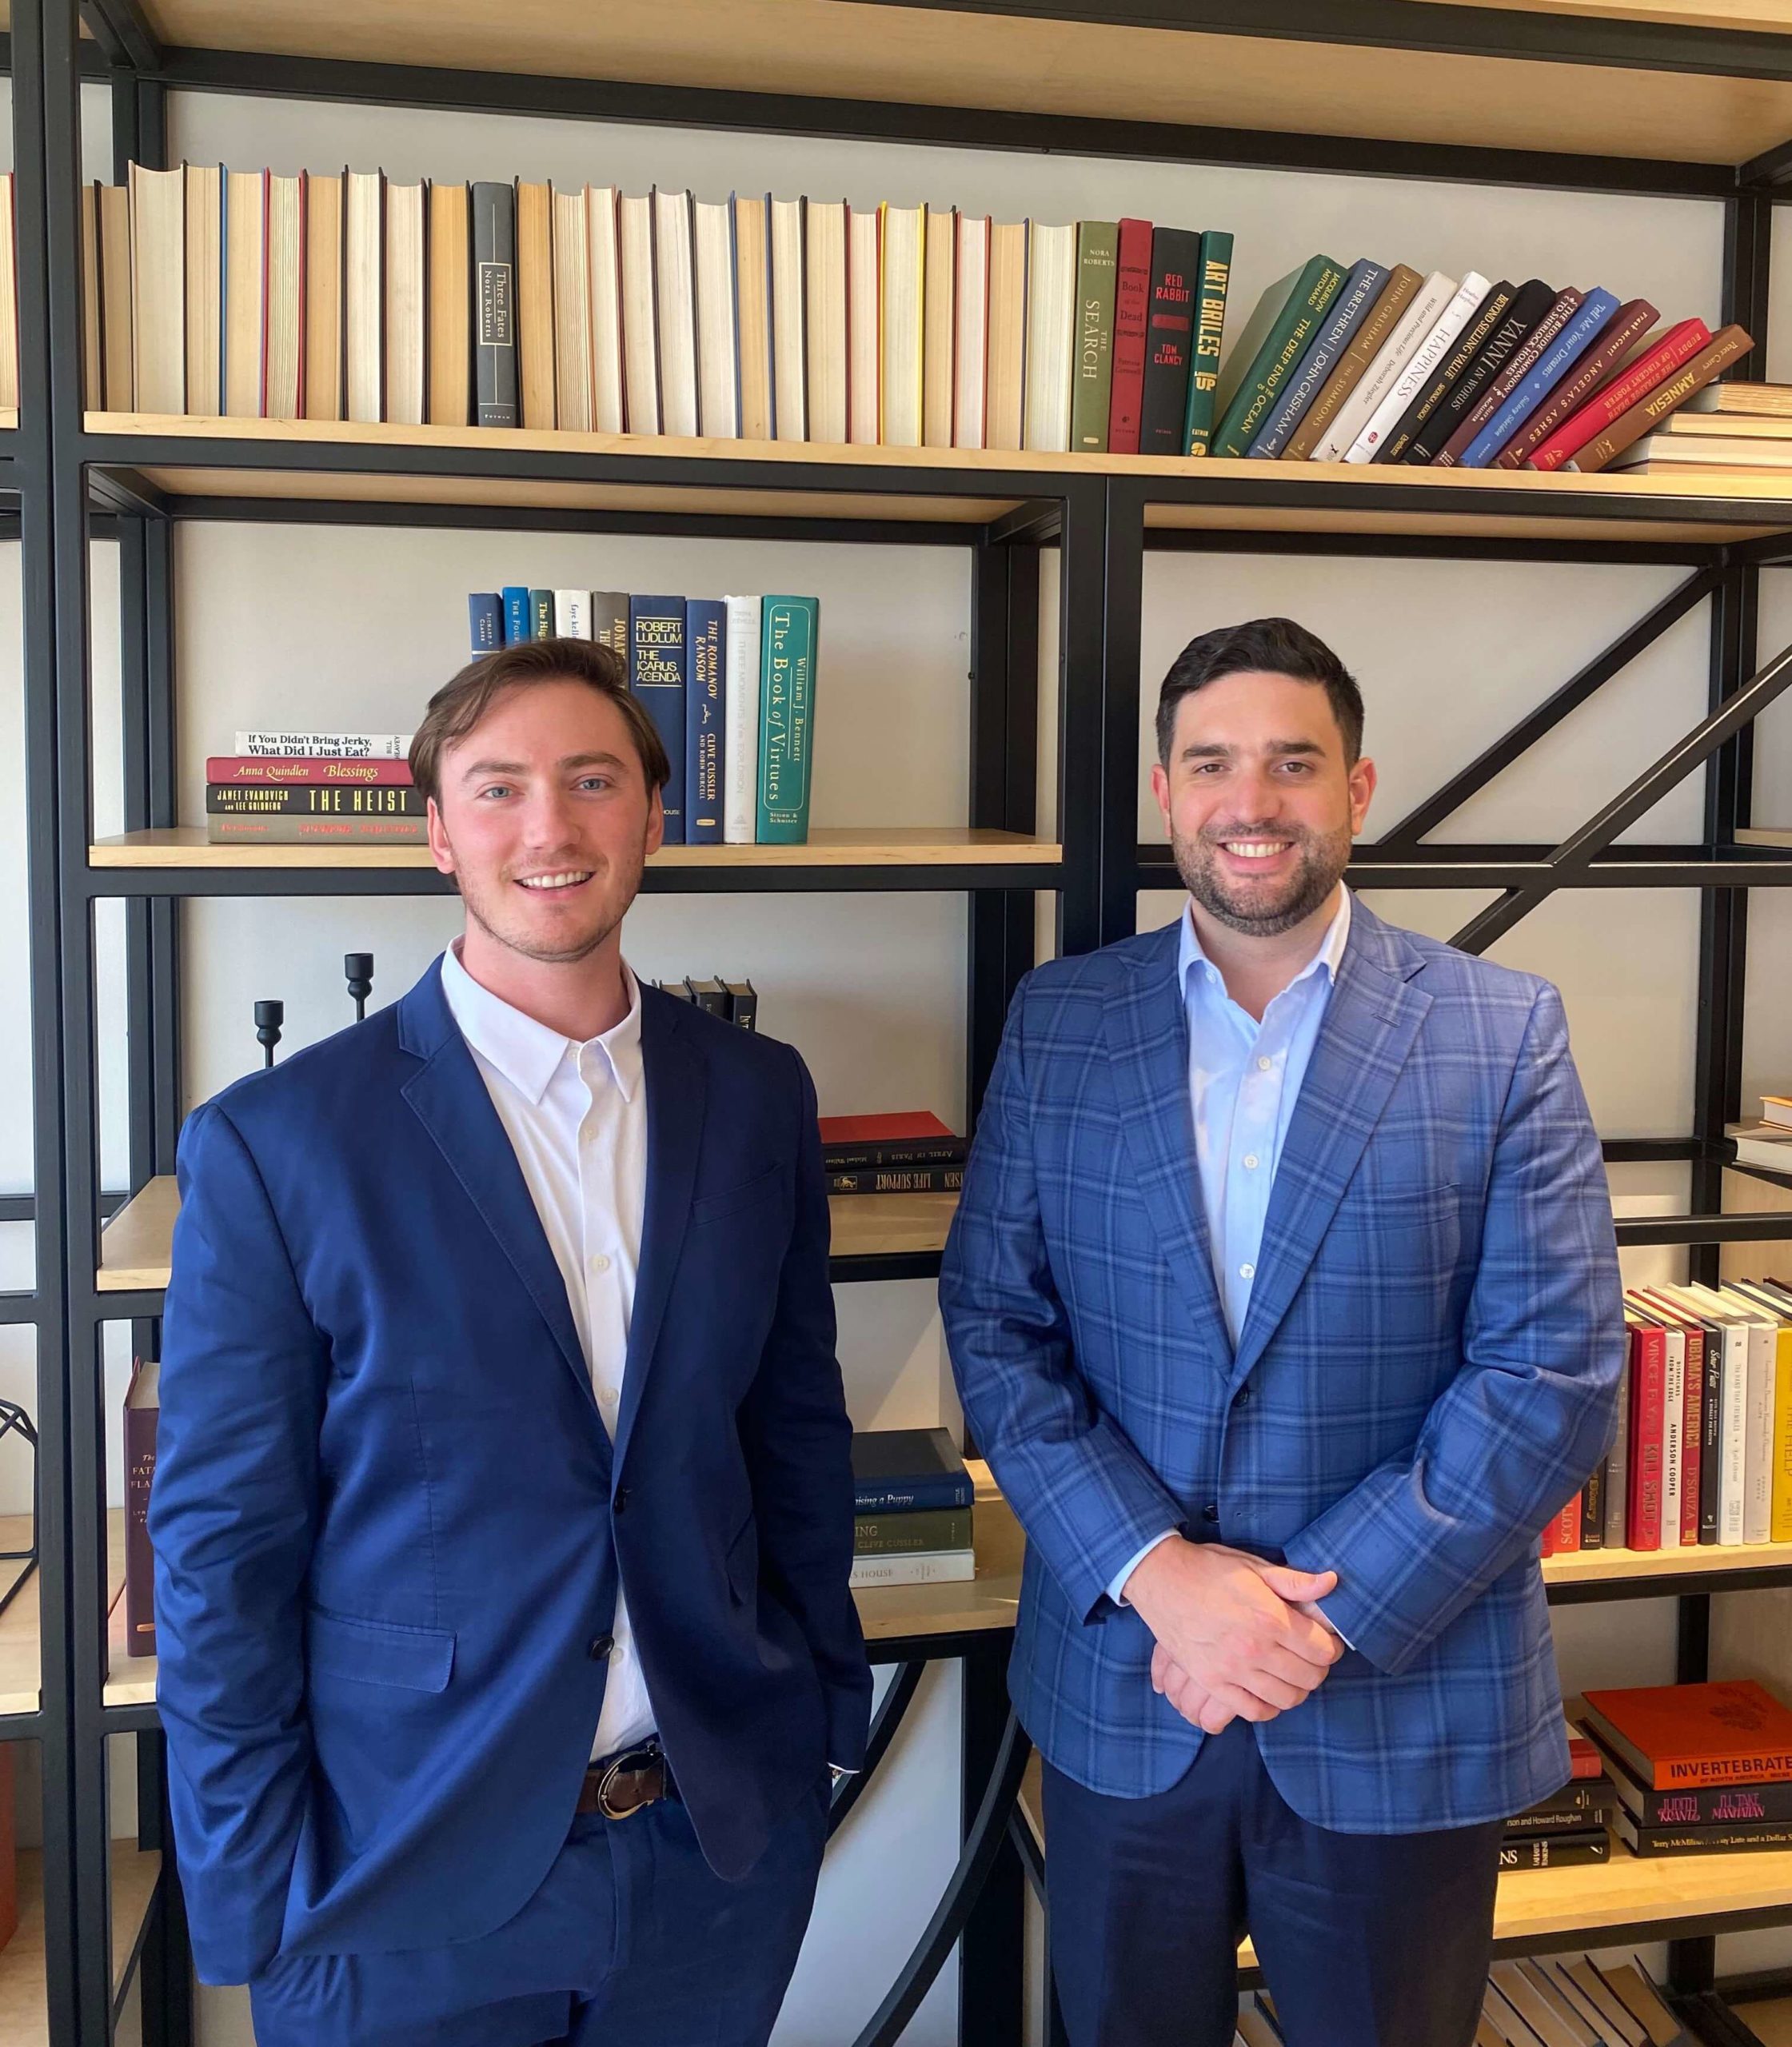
(1323, 858)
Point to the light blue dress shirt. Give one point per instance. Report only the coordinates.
(1244, 1079)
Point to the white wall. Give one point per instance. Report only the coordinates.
(313, 626)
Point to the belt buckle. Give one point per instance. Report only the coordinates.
(633, 1759)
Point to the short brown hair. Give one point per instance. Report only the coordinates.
(459, 705)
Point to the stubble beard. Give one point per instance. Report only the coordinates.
(1248, 908)
(624, 885)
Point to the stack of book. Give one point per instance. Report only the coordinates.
(735, 1002)
(730, 682)
(911, 1508)
(314, 788)
(1697, 1768)
(1767, 1141)
(1725, 426)
(1367, 362)
(912, 1152)
(1568, 1828)
(1703, 1450)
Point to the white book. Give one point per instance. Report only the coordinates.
(1051, 316)
(605, 282)
(1733, 1390)
(405, 304)
(571, 259)
(863, 268)
(919, 1567)
(641, 351)
(741, 722)
(203, 238)
(361, 291)
(902, 300)
(1395, 353)
(676, 299)
(1674, 1430)
(1757, 1457)
(572, 614)
(1463, 304)
(323, 746)
(789, 312)
(157, 290)
(245, 195)
(971, 345)
(825, 312)
(718, 347)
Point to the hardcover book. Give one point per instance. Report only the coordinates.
(1388, 309)
(897, 1469)
(789, 631)
(1481, 326)
(1671, 1737)
(1097, 256)
(1276, 336)
(143, 1410)
(494, 303)
(705, 629)
(1169, 339)
(657, 677)
(1132, 299)
(1361, 289)
(1210, 323)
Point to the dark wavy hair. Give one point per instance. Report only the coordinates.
(1273, 646)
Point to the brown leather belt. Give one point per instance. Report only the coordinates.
(622, 1786)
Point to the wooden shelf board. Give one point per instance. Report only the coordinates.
(1518, 504)
(21, 1658)
(129, 1680)
(186, 845)
(988, 1601)
(24, 2010)
(134, 1250)
(1618, 1566)
(1012, 61)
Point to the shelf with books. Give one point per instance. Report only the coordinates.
(24, 2011)
(1579, 1575)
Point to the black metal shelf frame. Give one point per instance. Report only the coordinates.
(70, 485)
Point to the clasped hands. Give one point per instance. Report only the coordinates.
(1237, 1638)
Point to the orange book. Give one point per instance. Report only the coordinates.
(1668, 1736)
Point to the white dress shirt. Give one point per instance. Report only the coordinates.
(576, 1116)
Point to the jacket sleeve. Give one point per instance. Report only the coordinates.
(232, 1513)
(1530, 1411)
(1087, 1500)
(798, 1444)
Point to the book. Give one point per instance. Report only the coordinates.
(1277, 333)
(1715, 1805)
(325, 253)
(639, 317)
(320, 746)
(572, 614)
(1593, 1509)
(142, 1410)
(571, 310)
(752, 306)
(494, 304)
(609, 623)
(1671, 1736)
(535, 304)
(157, 203)
(1169, 339)
(363, 243)
(1518, 365)
(893, 1534)
(1098, 244)
(1581, 1803)
(93, 371)
(710, 995)
(519, 620)
(245, 279)
(541, 614)
(1732, 396)
(112, 215)
(940, 266)
(897, 1469)
(1590, 318)
(1432, 349)
(343, 799)
(1534, 300)
(911, 1138)
(1776, 1109)
(201, 238)
(1586, 1760)
(485, 620)
(1132, 301)
(675, 303)
(604, 280)
(864, 283)
(657, 677)
(1365, 347)
(901, 234)
(789, 635)
(1414, 325)
(743, 1004)
(1557, 1851)
(1210, 323)
(1767, 1835)
(1617, 1468)
(448, 336)
(1628, 326)
(271, 771)
(928, 1567)
(897, 1179)
(1050, 323)
(1482, 325)
(704, 628)
(971, 330)
(1648, 1365)
(740, 720)
(277, 831)
(405, 307)
(826, 313)
(1005, 391)
(1356, 297)
(789, 322)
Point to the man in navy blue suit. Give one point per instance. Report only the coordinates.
(1284, 1300)
(503, 1512)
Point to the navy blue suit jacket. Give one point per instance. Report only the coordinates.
(388, 1521)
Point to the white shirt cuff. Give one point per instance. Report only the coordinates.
(1119, 1580)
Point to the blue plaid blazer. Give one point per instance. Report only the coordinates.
(1428, 1370)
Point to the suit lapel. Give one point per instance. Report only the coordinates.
(675, 1077)
(1370, 1023)
(1147, 1042)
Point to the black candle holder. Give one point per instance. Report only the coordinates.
(357, 970)
(269, 1017)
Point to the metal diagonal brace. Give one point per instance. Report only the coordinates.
(120, 29)
(898, 1696)
(1575, 855)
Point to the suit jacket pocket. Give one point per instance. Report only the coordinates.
(378, 1652)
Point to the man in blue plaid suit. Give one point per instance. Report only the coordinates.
(1284, 1300)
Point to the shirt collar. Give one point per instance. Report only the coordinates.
(528, 1053)
(1328, 959)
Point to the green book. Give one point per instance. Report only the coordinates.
(1098, 249)
(1210, 322)
(910, 1532)
(542, 613)
(1276, 337)
(788, 630)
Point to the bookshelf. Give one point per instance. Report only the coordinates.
(24, 2011)
(1495, 93)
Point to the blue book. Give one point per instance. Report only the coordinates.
(1361, 289)
(518, 622)
(1552, 365)
(897, 1469)
(705, 643)
(486, 620)
(656, 677)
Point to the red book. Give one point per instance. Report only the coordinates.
(1648, 1401)
(1561, 1535)
(1584, 1758)
(1132, 297)
(906, 1128)
(267, 771)
(1678, 346)
(1671, 1736)
(1692, 1430)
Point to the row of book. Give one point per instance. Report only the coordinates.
(729, 683)
(1727, 427)
(911, 1151)
(1703, 1453)
(911, 1499)
(1373, 363)
(1767, 1139)
(735, 1002)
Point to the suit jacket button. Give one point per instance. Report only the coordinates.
(1210, 1512)
(601, 1647)
(1242, 1398)
(620, 1500)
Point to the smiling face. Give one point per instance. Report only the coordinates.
(1260, 802)
(545, 820)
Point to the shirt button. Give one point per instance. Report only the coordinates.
(1247, 1272)
(601, 1647)
(1210, 1512)
(599, 1262)
(1251, 1160)
(1264, 1063)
